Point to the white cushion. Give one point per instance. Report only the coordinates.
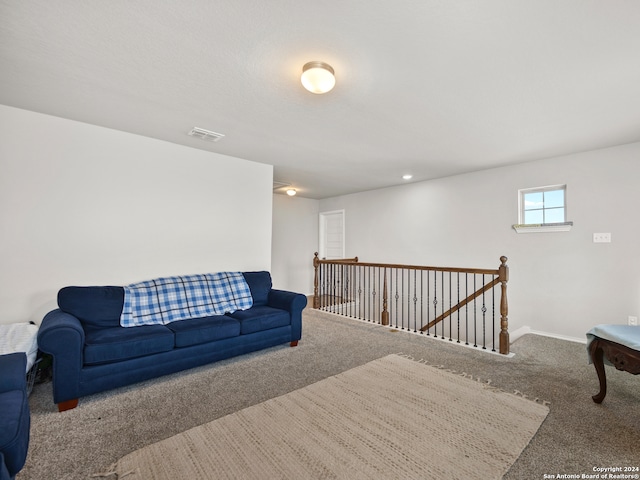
(20, 337)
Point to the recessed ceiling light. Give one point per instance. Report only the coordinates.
(408, 176)
(291, 192)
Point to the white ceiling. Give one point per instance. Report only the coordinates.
(428, 87)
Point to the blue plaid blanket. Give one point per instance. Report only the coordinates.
(164, 300)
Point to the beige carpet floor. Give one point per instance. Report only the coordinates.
(577, 435)
(390, 418)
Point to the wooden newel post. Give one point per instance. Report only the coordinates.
(316, 297)
(385, 314)
(503, 276)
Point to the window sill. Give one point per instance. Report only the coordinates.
(543, 227)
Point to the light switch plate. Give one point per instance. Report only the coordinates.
(602, 238)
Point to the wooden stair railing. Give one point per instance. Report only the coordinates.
(316, 264)
(500, 277)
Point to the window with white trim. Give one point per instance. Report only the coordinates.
(543, 209)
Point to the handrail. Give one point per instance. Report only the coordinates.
(464, 302)
(340, 290)
(318, 261)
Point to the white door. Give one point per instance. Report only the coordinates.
(331, 235)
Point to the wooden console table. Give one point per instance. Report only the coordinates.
(620, 356)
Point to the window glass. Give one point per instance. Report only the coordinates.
(554, 198)
(553, 215)
(533, 217)
(543, 205)
(533, 200)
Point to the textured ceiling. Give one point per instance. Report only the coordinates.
(432, 88)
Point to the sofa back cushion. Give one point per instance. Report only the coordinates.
(95, 306)
(260, 285)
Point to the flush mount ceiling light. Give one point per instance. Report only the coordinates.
(291, 192)
(408, 176)
(318, 77)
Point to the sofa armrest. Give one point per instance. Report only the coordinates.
(61, 336)
(289, 301)
(13, 375)
(293, 303)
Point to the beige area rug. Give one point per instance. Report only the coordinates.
(393, 418)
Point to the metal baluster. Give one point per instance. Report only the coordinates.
(379, 302)
(320, 285)
(392, 285)
(360, 292)
(365, 292)
(354, 294)
(421, 300)
(331, 287)
(466, 310)
(337, 290)
(323, 285)
(369, 296)
(397, 298)
(339, 287)
(428, 306)
(345, 290)
(441, 308)
(475, 314)
(327, 300)
(484, 311)
(327, 288)
(337, 306)
(450, 305)
(408, 317)
(415, 300)
(435, 302)
(372, 310)
(350, 292)
(458, 282)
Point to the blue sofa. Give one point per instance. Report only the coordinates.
(15, 418)
(91, 352)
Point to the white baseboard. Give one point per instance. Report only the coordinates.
(516, 334)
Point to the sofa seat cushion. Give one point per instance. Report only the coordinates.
(257, 319)
(14, 430)
(204, 329)
(105, 345)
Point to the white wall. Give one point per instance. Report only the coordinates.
(85, 205)
(560, 283)
(295, 239)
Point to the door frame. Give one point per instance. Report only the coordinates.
(322, 229)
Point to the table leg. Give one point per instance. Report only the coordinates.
(598, 362)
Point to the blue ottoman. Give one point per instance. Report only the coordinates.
(15, 418)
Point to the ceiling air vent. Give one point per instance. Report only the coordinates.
(207, 135)
(277, 185)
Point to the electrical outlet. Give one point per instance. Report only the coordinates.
(633, 320)
(602, 238)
